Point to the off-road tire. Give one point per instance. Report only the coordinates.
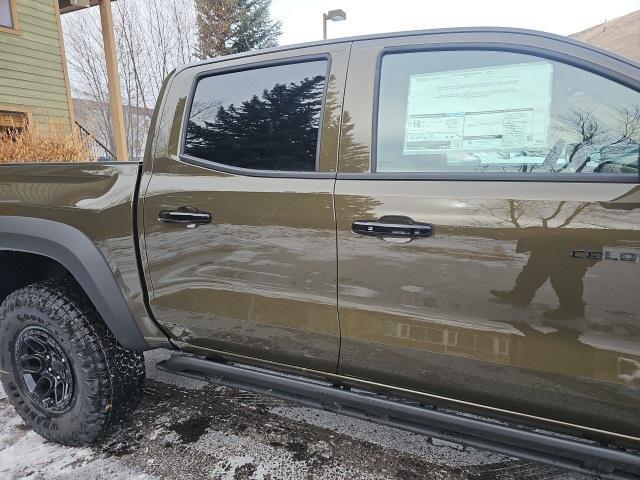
(108, 379)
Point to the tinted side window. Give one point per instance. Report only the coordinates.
(493, 112)
(266, 118)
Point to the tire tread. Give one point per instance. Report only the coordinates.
(114, 375)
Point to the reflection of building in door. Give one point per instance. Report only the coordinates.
(562, 350)
(549, 259)
(466, 342)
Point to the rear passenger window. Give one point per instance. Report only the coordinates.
(495, 112)
(265, 118)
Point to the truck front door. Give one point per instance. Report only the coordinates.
(238, 212)
(489, 241)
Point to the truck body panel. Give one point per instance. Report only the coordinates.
(95, 199)
(429, 322)
(246, 283)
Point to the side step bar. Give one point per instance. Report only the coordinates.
(558, 451)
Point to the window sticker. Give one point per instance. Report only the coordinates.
(490, 108)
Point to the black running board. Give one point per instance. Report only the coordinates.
(558, 451)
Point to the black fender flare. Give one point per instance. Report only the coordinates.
(81, 257)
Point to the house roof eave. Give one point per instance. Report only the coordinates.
(68, 6)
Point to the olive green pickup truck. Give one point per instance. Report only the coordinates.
(438, 231)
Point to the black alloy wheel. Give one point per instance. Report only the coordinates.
(45, 370)
(61, 367)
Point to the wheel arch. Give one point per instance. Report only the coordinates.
(81, 258)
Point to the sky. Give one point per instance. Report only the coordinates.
(302, 19)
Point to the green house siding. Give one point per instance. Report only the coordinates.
(31, 64)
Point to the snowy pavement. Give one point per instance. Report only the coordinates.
(190, 429)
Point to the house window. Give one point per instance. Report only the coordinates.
(12, 122)
(7, 12)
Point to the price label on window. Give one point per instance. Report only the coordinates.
(490, 108)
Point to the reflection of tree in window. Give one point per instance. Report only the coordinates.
(353, 154)
(595, 145)
(612, 148)
(276, 131)
(586, 144)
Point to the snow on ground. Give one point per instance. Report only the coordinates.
(190, 429)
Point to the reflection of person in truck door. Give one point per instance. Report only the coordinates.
(550, 259)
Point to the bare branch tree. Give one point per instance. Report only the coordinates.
(600, 137)
(153, 38)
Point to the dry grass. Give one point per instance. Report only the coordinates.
(53, 144)
(620, 35)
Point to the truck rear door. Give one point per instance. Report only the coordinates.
(238, 212)
(488, 216)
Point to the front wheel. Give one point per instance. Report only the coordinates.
(62, 368)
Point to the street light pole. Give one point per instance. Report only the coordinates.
(324, 26)
(334, 16)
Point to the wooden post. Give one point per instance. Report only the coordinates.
(113, 79)
(63, 52)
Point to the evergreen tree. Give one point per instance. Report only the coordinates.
(233, 26)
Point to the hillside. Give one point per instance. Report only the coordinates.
(620, 35)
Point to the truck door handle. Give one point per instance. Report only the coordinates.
(188, 215)
(385, 228)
